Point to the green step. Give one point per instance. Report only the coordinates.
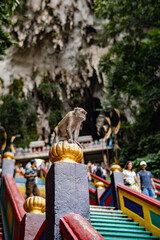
(113, 221)
(107, 229)
(127, 238)
(113, 218)
(113, 224)
(105, 210)
(108, 214)
(126, 226)
(119, 235)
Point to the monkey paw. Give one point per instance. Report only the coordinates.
(72, 141)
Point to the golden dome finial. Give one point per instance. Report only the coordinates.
(115, 168)
(35, 204)
(99, 185)
(8, 155)
(65, 152)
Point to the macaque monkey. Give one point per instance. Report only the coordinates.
(69, 126)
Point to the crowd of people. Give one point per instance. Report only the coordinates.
(101, 170)
(141, 181)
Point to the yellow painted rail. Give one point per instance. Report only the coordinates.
(43, 174)
(141, 208)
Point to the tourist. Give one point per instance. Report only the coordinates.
(89, 164)
(30, 175)
(98, 170)
(104, 172)
(88, 174)
(46, 167)
(19, 171)
(129, 176)
(146, 182)
(93, 167)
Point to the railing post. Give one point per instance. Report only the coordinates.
(100, 188)
(66, 187)
(116, 177)
(8, 164)
(34, 218)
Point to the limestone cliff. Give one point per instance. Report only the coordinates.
(59, 41)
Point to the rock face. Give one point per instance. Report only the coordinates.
(59, 39)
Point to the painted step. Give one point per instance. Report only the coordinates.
(93, 220)
(125, 238)
(122, 230)
(101, 207)
(126, 226)
(120, 235)
(108, 214)
(111, 218)
(106, 211)
(113, 224)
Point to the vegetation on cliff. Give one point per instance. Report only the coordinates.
(6, 10)
(131, 67)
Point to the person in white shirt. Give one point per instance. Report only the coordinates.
(129, 175)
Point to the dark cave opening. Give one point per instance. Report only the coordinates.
(91, 105)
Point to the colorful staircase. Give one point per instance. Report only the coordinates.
(20, 181)
(112, 224)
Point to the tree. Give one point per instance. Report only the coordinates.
(131, 66)
(18, 117)
(7, 8)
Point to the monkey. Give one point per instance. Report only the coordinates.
(69, 126)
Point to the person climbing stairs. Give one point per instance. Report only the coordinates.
(113, 224)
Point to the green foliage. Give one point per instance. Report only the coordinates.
(6, 9)
(47, 92)
(131, 66)
(53, 118)
(18, 117)
(16, 88)
(152, 160)
(75, 99)
(1, 83)
(80, 61)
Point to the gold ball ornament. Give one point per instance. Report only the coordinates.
(8, 155)
(35, 204)
(99, 185)
(65, 152)
(115, 168)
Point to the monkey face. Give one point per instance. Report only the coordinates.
(80, 113)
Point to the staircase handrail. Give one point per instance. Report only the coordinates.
(95, 179)
(41, 232)
(156, 180)
(11, 207)
(43, 174)
(106, 198)
(141, 208)
(15, 196)
(75, 227)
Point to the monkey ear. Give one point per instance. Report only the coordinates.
(75, 109)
